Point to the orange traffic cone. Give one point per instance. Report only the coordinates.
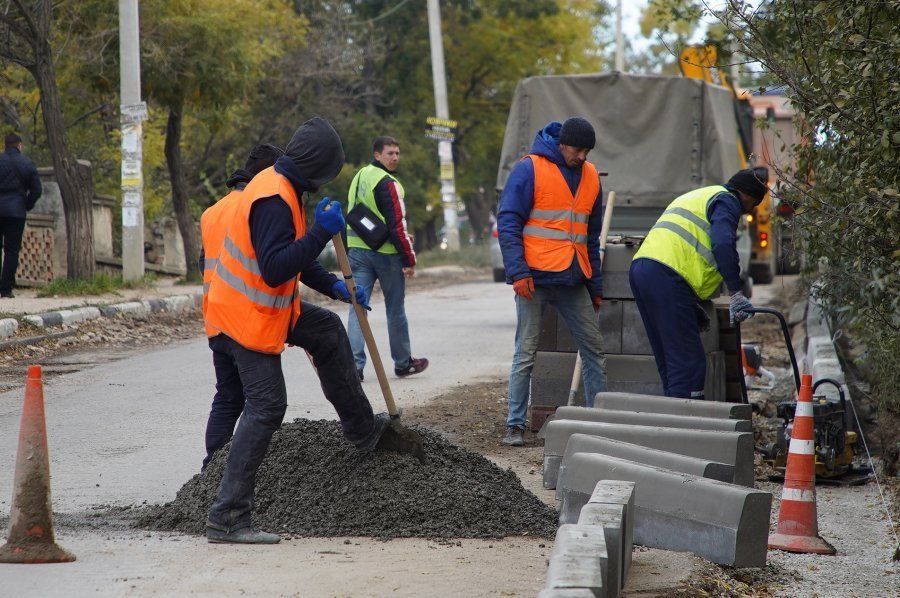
(31, 518)
(798, 526)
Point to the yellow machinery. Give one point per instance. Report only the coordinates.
(701, 62)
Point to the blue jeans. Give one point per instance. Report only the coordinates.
(369, 266)
(669, 310)
(575, 307)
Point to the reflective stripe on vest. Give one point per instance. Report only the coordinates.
(680, 239)
(213, 224)
(241, 304)
(362, 190)
(556, 231)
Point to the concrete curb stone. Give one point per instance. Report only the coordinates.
(171, 304)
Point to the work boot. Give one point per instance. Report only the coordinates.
(359, 374)
(515, 436)
(415, 366)
(245, 535)
(382, 421)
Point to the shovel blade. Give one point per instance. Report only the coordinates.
(398, 438)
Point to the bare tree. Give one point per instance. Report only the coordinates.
(25, 40)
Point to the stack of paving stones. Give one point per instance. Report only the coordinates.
(677, 472)
(172, 304)
(592, 556)
(629, 359)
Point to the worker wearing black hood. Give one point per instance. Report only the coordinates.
(313, 157)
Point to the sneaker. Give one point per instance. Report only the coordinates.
(382, 421)
(359, 374)
(515, 436)
(245, 535)
(415, 366)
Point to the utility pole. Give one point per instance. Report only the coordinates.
(132, 113)
(445, 147)
(620, 40)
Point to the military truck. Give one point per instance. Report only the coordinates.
(657, 137)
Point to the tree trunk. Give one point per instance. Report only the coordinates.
(478, 208)
(180, 200)
(74, 179)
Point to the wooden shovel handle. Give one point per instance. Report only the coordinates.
(362, 316)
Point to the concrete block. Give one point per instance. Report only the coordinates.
(648, 418)
(571, 571)
(81, 314)
(616, 263)
(618, 493)
(828, 368)
(721, 522)
(583, 443)
(658, 404)
(609, 517)
(34, 320)
(730, 448)
(549, 324)
(632, 373)
(136, 308)
(634, 335)
(8, 327)
(816, 321)
(177, 303)
(551, 379)
(582, 541)
(611, 327)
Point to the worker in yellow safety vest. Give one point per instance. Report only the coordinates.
(687, 255)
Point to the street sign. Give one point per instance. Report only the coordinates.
(441, 129)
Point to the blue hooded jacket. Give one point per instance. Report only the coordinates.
(515, 208)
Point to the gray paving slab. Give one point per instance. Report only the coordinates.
(619, 493)
(573, 540)
(724, 523)
(648, 418)
(731, 448)
(672, 406)
(609, 517)
(584, 443)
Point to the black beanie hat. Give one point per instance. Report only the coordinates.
(752, 181)
(262, 156)
(577, 132)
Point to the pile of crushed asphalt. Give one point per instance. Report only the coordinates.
(313, 483)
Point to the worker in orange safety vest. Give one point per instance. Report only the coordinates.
(548, 225)
(253, 309)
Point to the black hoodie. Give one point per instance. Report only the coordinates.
(313, 157)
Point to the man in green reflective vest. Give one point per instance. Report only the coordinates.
(685, 258)
(380, 249)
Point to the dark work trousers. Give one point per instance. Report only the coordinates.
(668, 307)
(11, 231)
(264, 399)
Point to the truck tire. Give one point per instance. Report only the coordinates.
(499, 275)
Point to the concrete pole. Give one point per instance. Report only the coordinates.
(133, 112)
(620, 40)
(445, 148)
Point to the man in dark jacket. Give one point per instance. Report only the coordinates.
(389, 259)
(549, 230)
(20, 188)
(313, 157)
(685, 258)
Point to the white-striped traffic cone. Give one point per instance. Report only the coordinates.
(798, 526)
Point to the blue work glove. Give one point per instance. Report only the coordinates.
(329, 216)
(342, 293)
(737, 308)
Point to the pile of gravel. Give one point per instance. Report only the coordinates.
(313, 483)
